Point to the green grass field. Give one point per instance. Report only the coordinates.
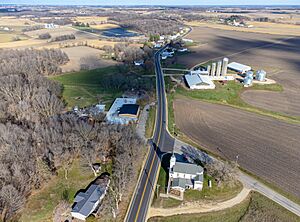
(255, 208)
(83, 88)
(150, 124)
(214, 193)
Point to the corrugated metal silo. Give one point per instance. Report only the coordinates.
(249, 74)
(248, 81)
(261, 75)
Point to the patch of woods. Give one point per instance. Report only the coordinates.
(62, 38)
(147, 24)
(124, 52)
(32, 28)
(37, 138)
(45, 36)
(45, 61)
(81, 24)
(55, 20)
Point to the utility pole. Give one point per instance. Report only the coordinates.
(157, 190)
(174, 129)
(236, 159)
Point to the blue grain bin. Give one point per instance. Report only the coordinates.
(260, 75)
(248, 81)
(249, 74)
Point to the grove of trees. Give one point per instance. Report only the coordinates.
(148, 24)
(62, 38)
(37, 138)
(31, 61)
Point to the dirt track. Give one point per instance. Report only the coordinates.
(198, 207)
(278, 55)
(266, 147)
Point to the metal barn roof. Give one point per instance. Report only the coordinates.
(239, 67)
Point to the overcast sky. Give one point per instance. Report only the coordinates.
(153, 2)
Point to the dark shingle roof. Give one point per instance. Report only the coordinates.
(131, 109)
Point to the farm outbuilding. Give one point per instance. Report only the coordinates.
(199, 81)
(261, 75)
(238, 67)
(123, 111)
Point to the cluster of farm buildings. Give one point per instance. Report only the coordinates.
(203, 77)
(123, 111)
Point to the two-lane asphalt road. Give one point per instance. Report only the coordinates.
(162, 142)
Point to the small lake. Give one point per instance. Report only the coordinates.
(119, 33)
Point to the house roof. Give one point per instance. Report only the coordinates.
(129, 109)
(85, 201)
(180, 182)
(187, 168)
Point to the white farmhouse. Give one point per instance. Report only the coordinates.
(184, 175)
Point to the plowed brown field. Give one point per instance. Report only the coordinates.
(266, 147)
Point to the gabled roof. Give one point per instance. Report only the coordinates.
(196, 79)
(180, 182)
(187, 168)
(85, 201)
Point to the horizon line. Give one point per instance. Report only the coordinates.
(154, 5)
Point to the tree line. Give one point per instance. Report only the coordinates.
(62, 38)
(150, 24)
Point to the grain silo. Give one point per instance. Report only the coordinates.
(208, 69)
(249, 74)
(224, 66)
(260, 75)
(248, 81)
(219, 67)
(213, 69)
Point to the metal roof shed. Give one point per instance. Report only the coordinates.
(239, 67)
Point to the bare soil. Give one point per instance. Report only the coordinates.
(266, 147)
(77, 53)
(274, 53)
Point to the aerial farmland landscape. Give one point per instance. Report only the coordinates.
(149, 111)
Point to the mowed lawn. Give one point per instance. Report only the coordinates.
(84, 88)
(255, 208)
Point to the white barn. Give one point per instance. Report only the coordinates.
(197, 81)
(238, 67)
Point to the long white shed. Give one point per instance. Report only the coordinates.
(238, 67)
